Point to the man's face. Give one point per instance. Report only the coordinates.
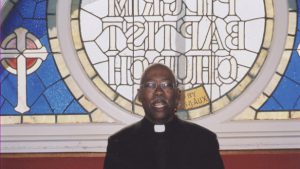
(159, 94)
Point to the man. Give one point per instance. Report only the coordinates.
(161, 140)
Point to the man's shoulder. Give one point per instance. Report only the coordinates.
(127, 132)
(196, 130)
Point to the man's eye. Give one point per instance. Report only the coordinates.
(166, 85)
(150, 85)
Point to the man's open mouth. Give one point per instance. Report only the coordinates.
(159, 103)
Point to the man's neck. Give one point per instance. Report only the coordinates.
(160, 122)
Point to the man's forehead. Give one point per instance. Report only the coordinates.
(159, 73)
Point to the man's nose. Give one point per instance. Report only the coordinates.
(158, 90)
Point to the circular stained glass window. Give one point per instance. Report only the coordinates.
(214, 47)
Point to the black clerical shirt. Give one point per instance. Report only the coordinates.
(183, 145)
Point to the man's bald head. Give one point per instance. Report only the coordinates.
(157, 66)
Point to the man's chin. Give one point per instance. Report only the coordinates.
(160, 117)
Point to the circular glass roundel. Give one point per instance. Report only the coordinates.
(214, 47)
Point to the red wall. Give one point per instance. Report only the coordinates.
(262, 159)
(275, 159)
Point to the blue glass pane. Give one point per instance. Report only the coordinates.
(48, 76)
(1, 100)
(297, 38)
(293, 70)
(8, 109)
(271, 104)
(3, 73)
(74, 108)
(9, 89)
(297, 104)
(34, 88)
(287, 94)
(41, 107)
(44, 42)
(40, 10)
(36, 26)
(58, 97)
(8, 26)
(26, 8)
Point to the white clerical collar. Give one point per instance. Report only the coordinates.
(159, 128)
